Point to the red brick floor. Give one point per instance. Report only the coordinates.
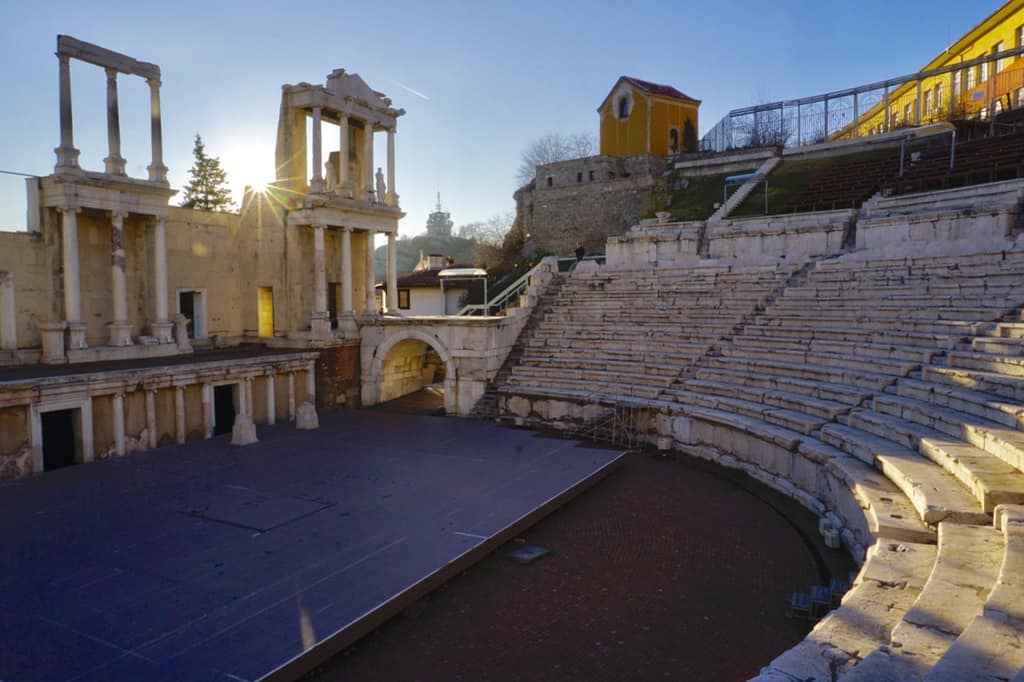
(666, 570)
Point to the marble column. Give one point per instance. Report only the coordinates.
(119, 330)
(179, 414)
(72, 280)
(392, 275)
(343, 152)
(291, 396)
(117, 413)
(311, 382)
(250, 410)
(271, 400)
(67, 155)
(346, 318)
(9, 322)
(320, 321)
(207, 397)
(114, 163)
(371, 294)
(157, 169)
(368, 161)
(317, 184)
(392, 198)
(161, 325)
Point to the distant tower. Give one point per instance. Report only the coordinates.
(439, 223)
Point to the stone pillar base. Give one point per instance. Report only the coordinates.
(114, 165)
(119, 334)
(161, 330)
(306, 418)
(76, 336)
(67, 160)
(244, 431)
(320, 327)
(53, 343)
(348, 327)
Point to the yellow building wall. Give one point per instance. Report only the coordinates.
(1003, 26)
(665, 115)
(629, 136)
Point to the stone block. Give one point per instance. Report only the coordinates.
(306, 418)
(243, 432)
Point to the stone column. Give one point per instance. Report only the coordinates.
(317, 184)
(320, 321)
(114, 163)
(67, 155)
(311, 382)
(291, 396)
(118, 422)
(271, 400)
(179, 414)
(392, 198)
(371, 298)
(119, 330)
(72, 280)
(250, 410)
(368, 161)
(151, 417)
(161, 326)
(157, 169)
(207, 411)
(346, 318)
(343, 152)
(9, 322)
(392, 275)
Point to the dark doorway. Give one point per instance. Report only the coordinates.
(58, 439)
(223, 409)
(187, 307)
(333, 294)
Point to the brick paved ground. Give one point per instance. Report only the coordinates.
(665, 570)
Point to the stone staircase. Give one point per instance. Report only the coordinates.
(487, 406)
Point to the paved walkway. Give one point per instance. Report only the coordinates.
(666, 570)
(213, 562)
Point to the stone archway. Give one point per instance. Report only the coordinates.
(391, 375)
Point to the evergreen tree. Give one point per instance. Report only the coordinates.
(207, 188)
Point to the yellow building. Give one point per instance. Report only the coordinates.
(640, 117)
(977, 90)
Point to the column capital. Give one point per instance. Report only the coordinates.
(153, 82)
(119, 213)
(70, 209)
(111, 73)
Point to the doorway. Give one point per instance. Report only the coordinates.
(223, 409)
(187, 307)
(58, 429)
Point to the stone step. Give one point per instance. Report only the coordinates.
(912, 354)
(835, 393)
(989, 649)
(588, 362)
(571, 388)
(886, 588)
(935, 494)
(975, 403)
(965, 569)
(939, 419)
(1000, 385)
(997, 364)
(998, 346)
(787, 419)
(990, 479)
(914, 288)
(1010, 330)
(938, 341)
(817, 407)
(832, 375)
(899, 299)
(814, 357)
(861, 323)
(1006, 444)
(586, 374)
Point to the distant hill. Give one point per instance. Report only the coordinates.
(409, 252)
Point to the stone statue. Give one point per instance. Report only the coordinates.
(380, 185)
(330, 177)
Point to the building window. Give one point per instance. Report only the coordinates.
(591, 176)
(983, 114)
(984, 72)
(908, 112)
(403, 299)
(1019, 98)
(999, 47)
(1020, 35)
(970, 78)
(551, 181)
(956, 83)
(579, 177)
(623, 107)
(939, 94)
(997, 107)
(192, 304)
(928, 103)
(673, 140)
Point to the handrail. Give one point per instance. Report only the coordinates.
(503, 299)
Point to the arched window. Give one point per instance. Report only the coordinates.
(623, 107)
(673, 140)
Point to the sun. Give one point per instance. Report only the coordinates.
(248, 165)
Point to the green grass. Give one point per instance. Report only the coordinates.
(788, 181)
(697, 201)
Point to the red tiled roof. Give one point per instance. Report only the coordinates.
(657, 88)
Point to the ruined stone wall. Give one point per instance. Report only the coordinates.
(337, 377)
(586, 200)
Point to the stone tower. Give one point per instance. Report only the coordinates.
(439, 223)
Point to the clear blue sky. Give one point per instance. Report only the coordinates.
(497, 74)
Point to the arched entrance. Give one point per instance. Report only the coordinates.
(413, 362)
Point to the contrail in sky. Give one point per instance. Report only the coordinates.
(415, 92)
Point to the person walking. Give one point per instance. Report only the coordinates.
(580, 251)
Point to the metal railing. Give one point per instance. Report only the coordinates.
(508, 296)
(978, 88)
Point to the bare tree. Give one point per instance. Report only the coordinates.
(554, 147)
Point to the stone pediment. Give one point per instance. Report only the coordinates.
(340, 83)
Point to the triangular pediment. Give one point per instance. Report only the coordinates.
(343, 84)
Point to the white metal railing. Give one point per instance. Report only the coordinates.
(503, 300)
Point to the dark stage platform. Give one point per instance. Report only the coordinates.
(213, 562)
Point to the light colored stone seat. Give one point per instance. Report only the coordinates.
(1001, 385)
(886, 588)
(965, 569)
(935, 493)
(989, 649)
(851, 376)
(883, 337)
(964, 400)
(824, 409)
(986, 362)
(913, 354)
(836, 393)
(799, 422)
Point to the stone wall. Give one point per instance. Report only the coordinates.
(586, 200)
(337, 377)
